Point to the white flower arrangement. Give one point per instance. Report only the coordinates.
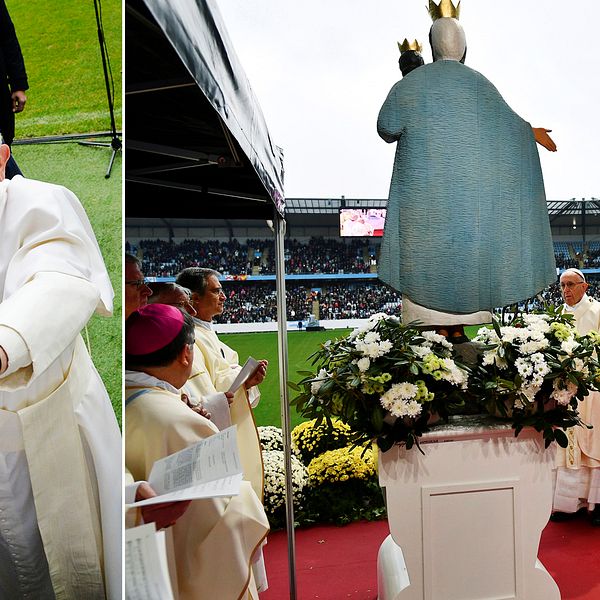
(385, 380)
(535, 371)
(271, 437)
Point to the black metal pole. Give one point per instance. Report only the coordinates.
(115, 142)
(583, 224)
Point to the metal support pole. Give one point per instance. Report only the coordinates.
(279, 226)
(583, 225)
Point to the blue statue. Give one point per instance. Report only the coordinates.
(467, 226)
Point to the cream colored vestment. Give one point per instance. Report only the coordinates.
(578, 475)
(54, 410)
(211, 546)
(216, 365)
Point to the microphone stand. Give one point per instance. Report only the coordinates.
(115, 142)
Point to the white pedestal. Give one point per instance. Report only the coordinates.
(467, 516)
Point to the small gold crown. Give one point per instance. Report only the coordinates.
(444, 9)
(405, 46)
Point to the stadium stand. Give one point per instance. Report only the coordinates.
(251, 298)
(331, 277)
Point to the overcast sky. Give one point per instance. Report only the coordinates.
(322, 68)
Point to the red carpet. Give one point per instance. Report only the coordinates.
(571, 553)
(335, 563)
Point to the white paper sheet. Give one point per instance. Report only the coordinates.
(146, 571)
(249, 367)
(207, 469)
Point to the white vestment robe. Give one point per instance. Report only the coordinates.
(60, 447)
(578, 475)
(216, 365)
(211, 547)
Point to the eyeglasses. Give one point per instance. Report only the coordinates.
(569, 285)
(138, 283)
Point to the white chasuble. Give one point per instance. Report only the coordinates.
(578, 476)
(215, 368)
(61, 440)
(584, 445)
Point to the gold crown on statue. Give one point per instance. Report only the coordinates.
(444, 9)
(405, 46)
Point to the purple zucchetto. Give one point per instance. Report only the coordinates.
(151, 328)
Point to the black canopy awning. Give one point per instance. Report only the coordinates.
(196, 143)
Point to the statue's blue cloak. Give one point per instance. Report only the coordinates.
(467, 225)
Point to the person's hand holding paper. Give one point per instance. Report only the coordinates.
(259, 374)
(164, 514)
(209, 468)
(252, 373)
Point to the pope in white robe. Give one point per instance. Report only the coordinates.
(578, 473)
(60, 447)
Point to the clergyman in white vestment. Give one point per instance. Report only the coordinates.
(578, 471)
(60, 447)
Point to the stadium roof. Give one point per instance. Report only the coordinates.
(573, 207)
(323, 212)
(332, 205)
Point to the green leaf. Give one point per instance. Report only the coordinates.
(496, 326)
(385, 443)
(377, 420)
(561, 438)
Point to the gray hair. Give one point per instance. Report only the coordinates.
(196, 279)
(160, 289)
(132, 259)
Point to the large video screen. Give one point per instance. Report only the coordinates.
(358, 222)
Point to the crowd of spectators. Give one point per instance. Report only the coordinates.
(564, 262)
(577, 255)
(326, 256)
(592, 259)
(164, 259)
(255, 301)
(258, 303)
(358, 301)
(318, 255)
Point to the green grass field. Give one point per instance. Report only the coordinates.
(301, 344)
(67, 95)
(59, 41)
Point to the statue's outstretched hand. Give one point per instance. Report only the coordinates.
(543, 139)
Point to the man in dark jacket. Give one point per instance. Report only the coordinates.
(13, 82)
